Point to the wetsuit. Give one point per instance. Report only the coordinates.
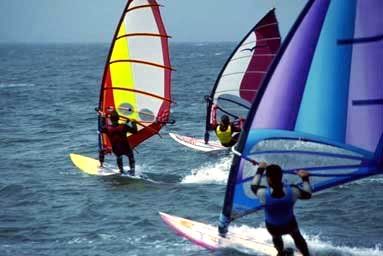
(279, 211)
(120, 144)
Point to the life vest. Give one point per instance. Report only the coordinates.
(224, 136)
(279, 211)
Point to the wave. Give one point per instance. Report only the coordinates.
(366, 181)
(215, 173)
(317, 246)
(12, 85)
(370, 180)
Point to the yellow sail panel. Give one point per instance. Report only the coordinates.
(122, 29)
(122, 75)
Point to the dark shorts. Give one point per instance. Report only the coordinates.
(282, 229)
(122, 149)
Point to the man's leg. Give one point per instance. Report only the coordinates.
(278, 244)
(120, 164)
(101, 157)
(277, 238)
(300, 242)
(132, 162)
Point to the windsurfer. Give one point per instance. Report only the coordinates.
(120, 146)
(227, 132)
(278, 200)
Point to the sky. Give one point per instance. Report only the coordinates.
(86, 21)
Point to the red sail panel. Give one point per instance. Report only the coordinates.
(267, 44)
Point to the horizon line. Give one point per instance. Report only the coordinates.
(102, 42)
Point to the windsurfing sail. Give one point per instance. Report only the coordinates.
(241, 76)
(320, 106)
(137, 75)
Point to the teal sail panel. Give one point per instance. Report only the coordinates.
(323, 110)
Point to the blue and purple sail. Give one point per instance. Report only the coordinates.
(320, 106)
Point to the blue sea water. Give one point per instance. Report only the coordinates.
(47, 207)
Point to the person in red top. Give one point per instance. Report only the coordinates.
(120, 146)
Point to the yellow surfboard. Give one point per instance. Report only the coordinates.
(92, 166)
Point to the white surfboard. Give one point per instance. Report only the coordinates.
(197, 144)
(207, 236)
(92, 167)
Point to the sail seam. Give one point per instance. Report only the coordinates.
(138, 91)
(262, 40)
(235, 102)
(249, 56)
(244, 90)
(266, 25)
(141, 62)
(142, 34)
(367, 102)
(247, 72)
(142, 6)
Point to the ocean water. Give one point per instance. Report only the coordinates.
(47, 207)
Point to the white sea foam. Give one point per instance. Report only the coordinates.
(12, 85)
(372, 180)
(80, 240)
(316, 245)
(375, 180)
(210, 173)
(138, 168)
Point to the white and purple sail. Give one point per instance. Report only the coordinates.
(239, 80)
(320, 106)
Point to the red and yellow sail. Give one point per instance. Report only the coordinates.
(137, 76)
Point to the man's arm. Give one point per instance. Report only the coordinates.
(237, 125)
(305, 191)
(103, 125)
(102, 116)
(131, 126)
(213, 116)
(256, 186)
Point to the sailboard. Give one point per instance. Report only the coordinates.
(320, 105)
(196, 143)
(207, 236)
(239, 80)
(137, 76)
(92, 166)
